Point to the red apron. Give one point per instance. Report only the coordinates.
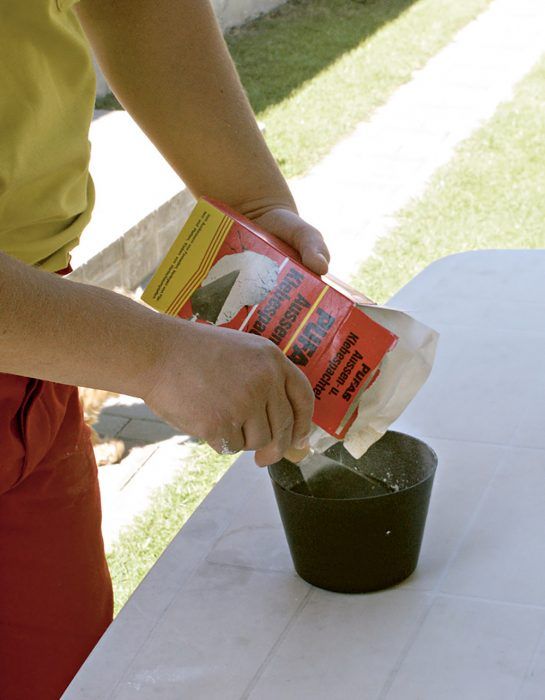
(55, 589)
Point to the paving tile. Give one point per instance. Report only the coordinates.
(531, 428)
(485, 313)
(200, 533)
(131, 444)
(534, 682)
(128, 407)
(394, 174)
(502, 556)
(476, 276)
(341, 646)
(154, 466)
(122, 641)
(161, 464)
(475, 650)
(487, 411)
(108, 425)
(457, 71)
(454, 97)
(147, 430)
(367, 141)
(255, 538)
(113, 477)
(189, 655)
(119, 507)
(464, 471)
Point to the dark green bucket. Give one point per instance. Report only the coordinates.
(350, 537)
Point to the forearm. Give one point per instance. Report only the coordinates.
(168, 63)
(72, 333)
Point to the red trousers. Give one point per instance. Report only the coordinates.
(55, 589)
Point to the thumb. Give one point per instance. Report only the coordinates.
(313, 250)
(306, 239)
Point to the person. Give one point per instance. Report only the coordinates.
(168, 64)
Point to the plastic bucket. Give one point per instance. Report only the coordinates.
(353, 538)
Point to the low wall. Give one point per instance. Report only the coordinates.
(230, 13)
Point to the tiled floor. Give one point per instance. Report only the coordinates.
(468, 649)
(155, 453)
(223, 615)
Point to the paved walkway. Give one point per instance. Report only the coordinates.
(155, 453)
(354, 193)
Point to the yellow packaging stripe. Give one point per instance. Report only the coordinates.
(189, 258)
(203, 269)
(305, 319)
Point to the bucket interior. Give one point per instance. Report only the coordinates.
(397, 460)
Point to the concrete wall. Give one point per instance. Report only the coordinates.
(230, 13)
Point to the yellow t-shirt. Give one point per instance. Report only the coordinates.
(47, 90)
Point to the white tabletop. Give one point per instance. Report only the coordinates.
(222, 615)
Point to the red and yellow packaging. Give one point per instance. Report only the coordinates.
(225, 270)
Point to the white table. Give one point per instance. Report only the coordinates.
(222, 615)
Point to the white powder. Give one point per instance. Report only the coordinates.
(257, 277)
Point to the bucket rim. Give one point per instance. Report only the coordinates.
(313, 499)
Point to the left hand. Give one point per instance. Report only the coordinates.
(306, 240)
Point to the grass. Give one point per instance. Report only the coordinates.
(490, 195)
(142, 543)
(108, 102)
(313, 69)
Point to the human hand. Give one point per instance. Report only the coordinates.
(306, 240)
(235, 390)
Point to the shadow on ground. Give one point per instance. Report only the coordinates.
(278, 52)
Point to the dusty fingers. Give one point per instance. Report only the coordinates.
(290, 416)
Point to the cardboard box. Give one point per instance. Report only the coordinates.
(224, 270)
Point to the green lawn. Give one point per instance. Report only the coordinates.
(491, 195)
(315, 68)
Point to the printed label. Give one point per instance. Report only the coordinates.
(223, 270)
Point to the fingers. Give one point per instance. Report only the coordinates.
(314, 252)
(301, 397)
(257, 432)
(281, 419)
(266, 407)
(230, 441)
(264, 404)
(306, 239)
(294, 455)
(290, 417)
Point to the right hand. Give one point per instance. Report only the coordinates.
(235, 390)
